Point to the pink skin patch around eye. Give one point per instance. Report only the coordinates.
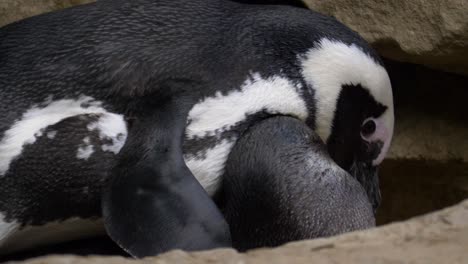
(382, 133)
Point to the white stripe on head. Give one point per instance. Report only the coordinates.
(34, 120)
(332, 64)
(275, 95)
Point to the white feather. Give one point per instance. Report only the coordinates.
(51, 134)
(221, 112)
(112, 127)
(86, 150)
(6, 228)
(34, 120)
(213, 115)
(208, 170)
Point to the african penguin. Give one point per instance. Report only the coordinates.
(123, 114)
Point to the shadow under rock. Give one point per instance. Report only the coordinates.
(91, 246)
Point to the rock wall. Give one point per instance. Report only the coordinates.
(428, 32)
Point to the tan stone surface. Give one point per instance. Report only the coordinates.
(440, 237)
(419, 137)
(429, 32)
(13, 10)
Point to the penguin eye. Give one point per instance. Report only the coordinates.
(368, 128)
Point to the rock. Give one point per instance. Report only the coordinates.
(440, 237)
(428, 32)
(14, 10)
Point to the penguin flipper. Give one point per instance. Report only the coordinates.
(288, 188)
(152, 203)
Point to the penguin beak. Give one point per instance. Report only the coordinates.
(381, 137)
(367, 175)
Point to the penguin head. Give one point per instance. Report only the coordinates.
(354, 107)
